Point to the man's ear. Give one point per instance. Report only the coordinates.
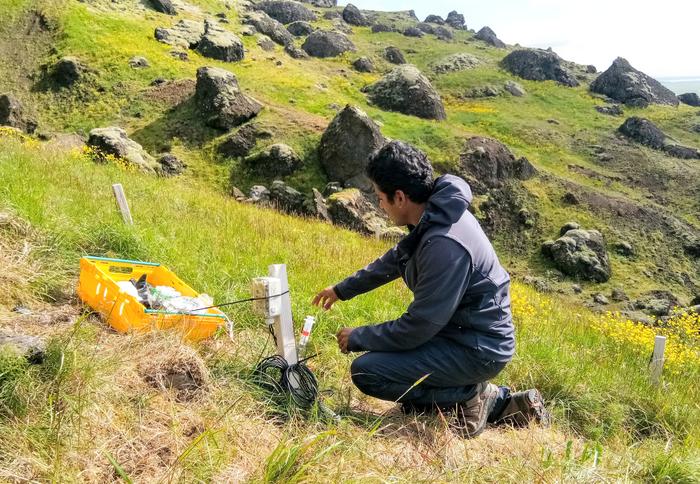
(400, 197)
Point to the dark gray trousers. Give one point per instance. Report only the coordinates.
(438, 373)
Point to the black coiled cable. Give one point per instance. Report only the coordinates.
(277, 376)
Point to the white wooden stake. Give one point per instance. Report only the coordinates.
(122, 204)
(657, 359)
(284, 325)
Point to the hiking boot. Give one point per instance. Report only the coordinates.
(523, 408)
(471, 415)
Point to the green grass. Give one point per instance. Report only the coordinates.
(598, 390)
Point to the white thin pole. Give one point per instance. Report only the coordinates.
(122, 203)
(284, 324)
(657, 359)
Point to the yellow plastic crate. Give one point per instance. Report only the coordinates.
(98, 288)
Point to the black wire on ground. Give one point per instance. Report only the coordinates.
(241, 301)
(277, 376)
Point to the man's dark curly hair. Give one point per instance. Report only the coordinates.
(400, 166)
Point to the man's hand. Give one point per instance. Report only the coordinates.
(325, 298)
(343, 337)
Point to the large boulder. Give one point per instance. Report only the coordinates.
(286, 11)
(455, 20)
(643, 131)
(647, 133)
(265, 24)
(443, 33)
(171, 165)
(276, 160)
(580, 254)
(413, 32)
(241, 142)
(489, 36)
(12, 114)
(394, 55)
(185, 34)
(659, 302)
(345, 147)
(407, 91)
(514, 88)
(322, 3)
(114, 141)
(164, 6)
(220, 44)
(350, 209)
(426, 28)
(377, 28)
(363, 64)
(491, 163)
(434, 19)
(67, 71)
(323, 43)
(454, 63)
(690, 98)
(626, 84)
(353, 16)
(538, 65)
(220, 100)
(300, 28)
(287, 199)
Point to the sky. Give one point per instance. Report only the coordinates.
(658, 38)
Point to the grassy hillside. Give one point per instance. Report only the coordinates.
(88, 413)
(91, 411)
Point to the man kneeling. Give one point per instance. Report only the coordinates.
(458, 332)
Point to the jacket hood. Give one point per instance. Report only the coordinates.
(451, 196)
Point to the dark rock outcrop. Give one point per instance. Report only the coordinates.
(265, 24)
(657, 303)
(185, 34)
(394, 55)
(220, 100)
(114, 141)
(514, 88)
(266, 43)
(363, 64)
(489, 36)
(690, 98)
(243, 141)
(625, 84)
(276, 160)
(164, 6)
(538, 65)
(67, 71)
(647, 133)
(220, 44)
(300, 28)
(612, 110)
(434, 19)
(376, 28)
(407, 91)
(12, 114)
(426, 28)
(171, 165)
(345, 147)
(491, 163)
(286, 11)
(454, 63)
(413, 32)
(353, 16)
(322, 43)
(287, 199)
(455, 20)
(443, 33)
(580, 254)
(350, 209)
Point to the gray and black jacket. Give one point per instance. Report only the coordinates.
(460, 290)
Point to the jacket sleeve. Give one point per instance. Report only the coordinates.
(444, 268)
(381, 271)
